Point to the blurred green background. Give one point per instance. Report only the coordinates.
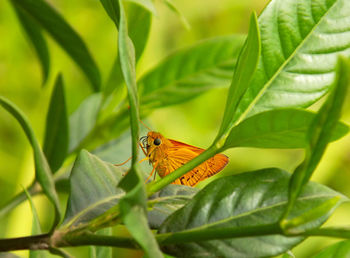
(195, 122)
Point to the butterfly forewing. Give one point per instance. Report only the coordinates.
(180, 153)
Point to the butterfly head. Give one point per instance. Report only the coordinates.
(153, 143)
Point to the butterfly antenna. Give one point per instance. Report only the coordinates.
(145, 125)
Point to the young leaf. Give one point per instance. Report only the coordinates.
(340, 249)
(139, 24)
(190, 71)
(133, 204)
(280, 128)
(34, 34)
(93, 189)
(319, 134)
(246, 66)
(56, 135)
(300, 41)
(235, 216)
(64, 34)
(127, 62)
(42, 170)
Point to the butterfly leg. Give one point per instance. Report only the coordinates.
(154, 169)
(121, 164)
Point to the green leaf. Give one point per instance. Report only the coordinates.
(127, 62)
(300, 41)
(93, 189)
(36, 228)
(56, 134)
(167, 201)
(319, 133)
(112, 9)
(232, 204)
(339, 250)
(146, 4)
(246, 67)
(42, 170)
(83, 120)
(133, 204)
(134, 214)
(64, 34)
(280, 128)
(191, 71)
(102, 251)
(34, 34)
(139, 24)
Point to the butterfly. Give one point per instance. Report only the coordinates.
(166, 155)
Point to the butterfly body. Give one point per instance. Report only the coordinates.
(166, 155)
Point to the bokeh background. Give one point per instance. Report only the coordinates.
(195, 122)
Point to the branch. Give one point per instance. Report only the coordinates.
(38, 242)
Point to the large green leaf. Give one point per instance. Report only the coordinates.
(339, 250)
(280, 128)
(93, 189)
(246, 67)
(191, 71)
(167, 201)
(319, 134)
(300, 41)
(56, 135)
(34, 34)
(63, 33)
(42, 170)
(251, 199)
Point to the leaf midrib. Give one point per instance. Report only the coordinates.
(283, 65)
(244, 214)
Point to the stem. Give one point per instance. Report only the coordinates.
(99, 240)
(38, 242)
(159, 184)
(329, 232)
(201, 234)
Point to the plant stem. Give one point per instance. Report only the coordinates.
(329, 232)
(38, 242)
(100, 240)
(204, 234)
(159, 184)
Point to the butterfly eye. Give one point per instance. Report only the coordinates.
(157, 141)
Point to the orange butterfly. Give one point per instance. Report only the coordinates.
(167, 155)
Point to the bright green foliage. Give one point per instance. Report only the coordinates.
(232, 203)
(56, 137)
(293, 54)
(63, 33)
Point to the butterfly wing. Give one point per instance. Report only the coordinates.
(180, 153)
